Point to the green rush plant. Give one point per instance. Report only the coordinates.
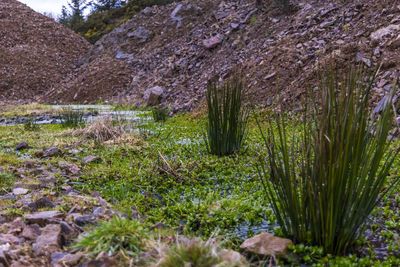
(324, 179)
(227, 117)
(160, 114)
(72, 118)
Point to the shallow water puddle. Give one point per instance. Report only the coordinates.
(90, 113)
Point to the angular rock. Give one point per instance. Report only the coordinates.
(42, 217)
(67, 231)
(31, 232)
(394, 44)
(267, 245)
(20, 191)
(9, 239)
(70, 259)
(153, 95)
(49, 241)
(16, 226)
(91, 159)
(84, 220)
(180, 10)
(147, 11)
(141, 34)
(5, 259)
(43, 202)
(379, 35)
(121, 55)
(232, 258)
(22, 146)
(213, 42)
(56, 257)
(102, 260)
(69, 168)
(51, 152)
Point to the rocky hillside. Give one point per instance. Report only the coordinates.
(35, 51)
(178, 47)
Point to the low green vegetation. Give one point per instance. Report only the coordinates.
(227, 117)
(115, 236)
(6, 181)
(166, 178)
(197, 254)
(31, 125)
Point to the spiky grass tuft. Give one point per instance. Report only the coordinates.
(227, 118)
(115, 236)
(160, 114)
(324, 182)
(72, 118)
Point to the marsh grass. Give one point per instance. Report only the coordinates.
(6, 181)
(160, 114)
(114, 236)
(31, 126)
(72, 118)
(227, 117)
(325, 180)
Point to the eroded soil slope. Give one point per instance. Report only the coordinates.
(180, 46)
(35, 52)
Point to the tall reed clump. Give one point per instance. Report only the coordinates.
(160, 114)
(72, 118)
(227, 117)
(324, 181)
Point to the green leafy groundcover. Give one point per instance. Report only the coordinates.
(171, 179)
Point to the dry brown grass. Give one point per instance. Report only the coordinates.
(100, 131)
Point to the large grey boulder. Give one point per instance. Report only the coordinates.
(141, 34)
(153, 95)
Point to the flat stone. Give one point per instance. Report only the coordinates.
(69, 168)
(43, 202)
(91, 159)
(20, 191)
(378, 35)
(141, 34)
(267, 245)
(42, 217)
(213, 42)
(9, 239)
(49, 241)
(51, 152)
(81, 220)
(31, 232)
(70, 259)
(232, 258)
(5, 259)
(22, 146)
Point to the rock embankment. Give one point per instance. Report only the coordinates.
(178, 47)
